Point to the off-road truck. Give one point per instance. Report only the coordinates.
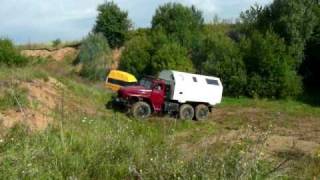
(189, 96)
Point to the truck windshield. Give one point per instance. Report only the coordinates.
(146, 83)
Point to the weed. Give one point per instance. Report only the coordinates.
(13, 97)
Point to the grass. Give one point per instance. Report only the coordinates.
(101, 147)
(13, 98)
(110, 145)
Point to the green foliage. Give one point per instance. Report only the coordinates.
(291, 20)
(113, 23)
(182, 24)
(172, 56)
(311, 64)
(294, 21)
(56, 42)
(269, 68)
(95, 56)
(136, 56)
(9, 55)
(219, 56)
(143, 56)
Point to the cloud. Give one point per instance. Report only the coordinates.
(45, 20)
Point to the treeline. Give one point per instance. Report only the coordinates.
(272, 51)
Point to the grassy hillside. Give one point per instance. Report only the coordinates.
(243, 139)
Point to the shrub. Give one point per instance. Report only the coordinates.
(149, 55)
(171, 56)
(269, 68)
(56, 42)
(219, 56)
(9, 55)
(113, 23)
(95, 56)
(136, 56)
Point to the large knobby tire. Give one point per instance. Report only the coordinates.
(141, 110)
(202, 112)
(186, 112)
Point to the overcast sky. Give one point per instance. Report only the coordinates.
(45, 20)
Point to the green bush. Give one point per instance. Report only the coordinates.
(171, 56)
(95, 57)
(148, 55)
(56, 42)
(9, 55)
(269, 68)
(219, 56)
(113, 23)
(136, 56)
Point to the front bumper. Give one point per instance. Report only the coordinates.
(119, 101)
(118, 104)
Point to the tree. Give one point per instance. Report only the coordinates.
(95, 56)
(178, 22)
(9, 55)
(171, 56)
(113, 23)
(56, 42)
(269, 68)
(250, 18)
(136, 57)
(311, 65)
(220, 56)
(292, 20)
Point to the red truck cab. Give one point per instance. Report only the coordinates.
(149, 90)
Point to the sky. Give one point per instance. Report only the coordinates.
(36, 21)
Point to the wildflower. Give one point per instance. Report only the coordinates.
(194, 176)
(1, 140)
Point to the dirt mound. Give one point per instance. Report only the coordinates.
(43, 98)
(58, 55)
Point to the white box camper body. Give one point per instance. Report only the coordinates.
(196, 88)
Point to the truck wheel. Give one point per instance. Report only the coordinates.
(186, 112)
(202, 112)
(141, 110)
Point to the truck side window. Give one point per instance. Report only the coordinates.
(212, 82)
(194, 79)
(157, 87)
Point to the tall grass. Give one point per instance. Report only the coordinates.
(109, 145)
(112, 148)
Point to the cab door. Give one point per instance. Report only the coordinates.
(157, 96)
